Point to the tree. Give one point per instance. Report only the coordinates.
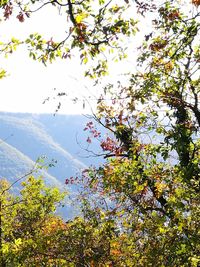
(152, 172)
(33, 235)
(91, 29)
(147, 191)
(22, 220)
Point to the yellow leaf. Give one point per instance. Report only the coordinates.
(18, 242)
(85, 60)
(2, 73)
(81, 17)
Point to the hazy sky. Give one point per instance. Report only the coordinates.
(29, 83)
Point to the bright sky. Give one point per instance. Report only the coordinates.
(29, 83)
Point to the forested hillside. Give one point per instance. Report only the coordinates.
(26, 137)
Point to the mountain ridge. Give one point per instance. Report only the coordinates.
(29, 136)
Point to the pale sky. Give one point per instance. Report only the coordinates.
(29, 82)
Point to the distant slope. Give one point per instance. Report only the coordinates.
(68, 131)
(15, 164)
(33, 138)
(25, 137)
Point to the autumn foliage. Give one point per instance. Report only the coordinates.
(140, 206)
(196, 2)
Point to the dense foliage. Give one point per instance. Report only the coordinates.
(142, 206)
(152, 171)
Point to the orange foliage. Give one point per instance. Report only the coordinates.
(174, 15)
(115, 252)
(196, 2)
(156, 46)
(115, 249)
(53, 225)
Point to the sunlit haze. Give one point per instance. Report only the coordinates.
(29, 83)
